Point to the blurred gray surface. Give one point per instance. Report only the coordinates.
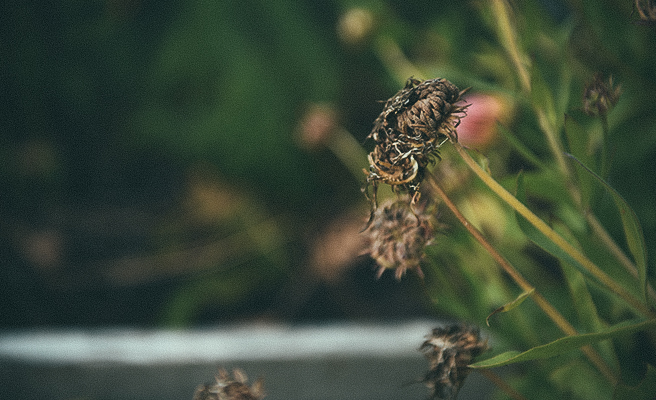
(342, 361)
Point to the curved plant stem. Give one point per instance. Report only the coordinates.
(540, 225)
(540, 300)
(393, 58)
(508, 38)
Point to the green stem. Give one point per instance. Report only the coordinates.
(396, 62)
(554, 143)
(508, 38)
(540, 225)
(344, 146)
(605, 161)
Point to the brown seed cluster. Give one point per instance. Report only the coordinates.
(600, 97)
(398, 235)
(230, 388)
(450, 350)
(409, 131)
(646, 12)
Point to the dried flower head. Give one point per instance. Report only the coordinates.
(413, 124)
(646, 12)
(450, 350)
(229, 388)
(599, 97)
(398, 235)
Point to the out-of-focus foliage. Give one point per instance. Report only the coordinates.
(147, 146)
(152, 169)
(185, 162)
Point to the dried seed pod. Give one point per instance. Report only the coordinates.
(450, 350)
(393, 169)
(398, 236)
(229, 388)
(600, 97)
(409, 131)
(421, 110)
(646, 12)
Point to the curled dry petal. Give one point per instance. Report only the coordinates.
(410, 129)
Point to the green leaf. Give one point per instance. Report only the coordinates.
(542, 97)
(539, 238)
(586, 310)
(509, 306)
(578, 379)
(632, 229)
(521, 147)
(578, 141)
(565, 344)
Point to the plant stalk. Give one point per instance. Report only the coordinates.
(540, 225)
(540, 300)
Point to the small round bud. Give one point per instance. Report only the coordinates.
(355, 25)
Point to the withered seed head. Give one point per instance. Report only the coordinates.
(398, 235)
(228, 388)
(449, 351)
(600, 97)
(413, 124)
(646, 12)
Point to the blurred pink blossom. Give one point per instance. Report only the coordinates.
(478, 129)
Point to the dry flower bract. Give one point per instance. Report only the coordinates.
(230, 388)
(409, 131)
(646, 12)
(398, 235)
(450, 350)
(600, 97)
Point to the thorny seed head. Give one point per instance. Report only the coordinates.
(646, 12)
(450, 350)
(228, 388)
(398, 235)
(600, 97)
(409, 131)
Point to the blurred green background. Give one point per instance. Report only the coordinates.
(156, 167)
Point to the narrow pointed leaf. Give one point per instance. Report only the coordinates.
(540, 239)
(509, 306)
(578, 141)
(586, 310)
(632, 229)
(520, 147)
(565, 344)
